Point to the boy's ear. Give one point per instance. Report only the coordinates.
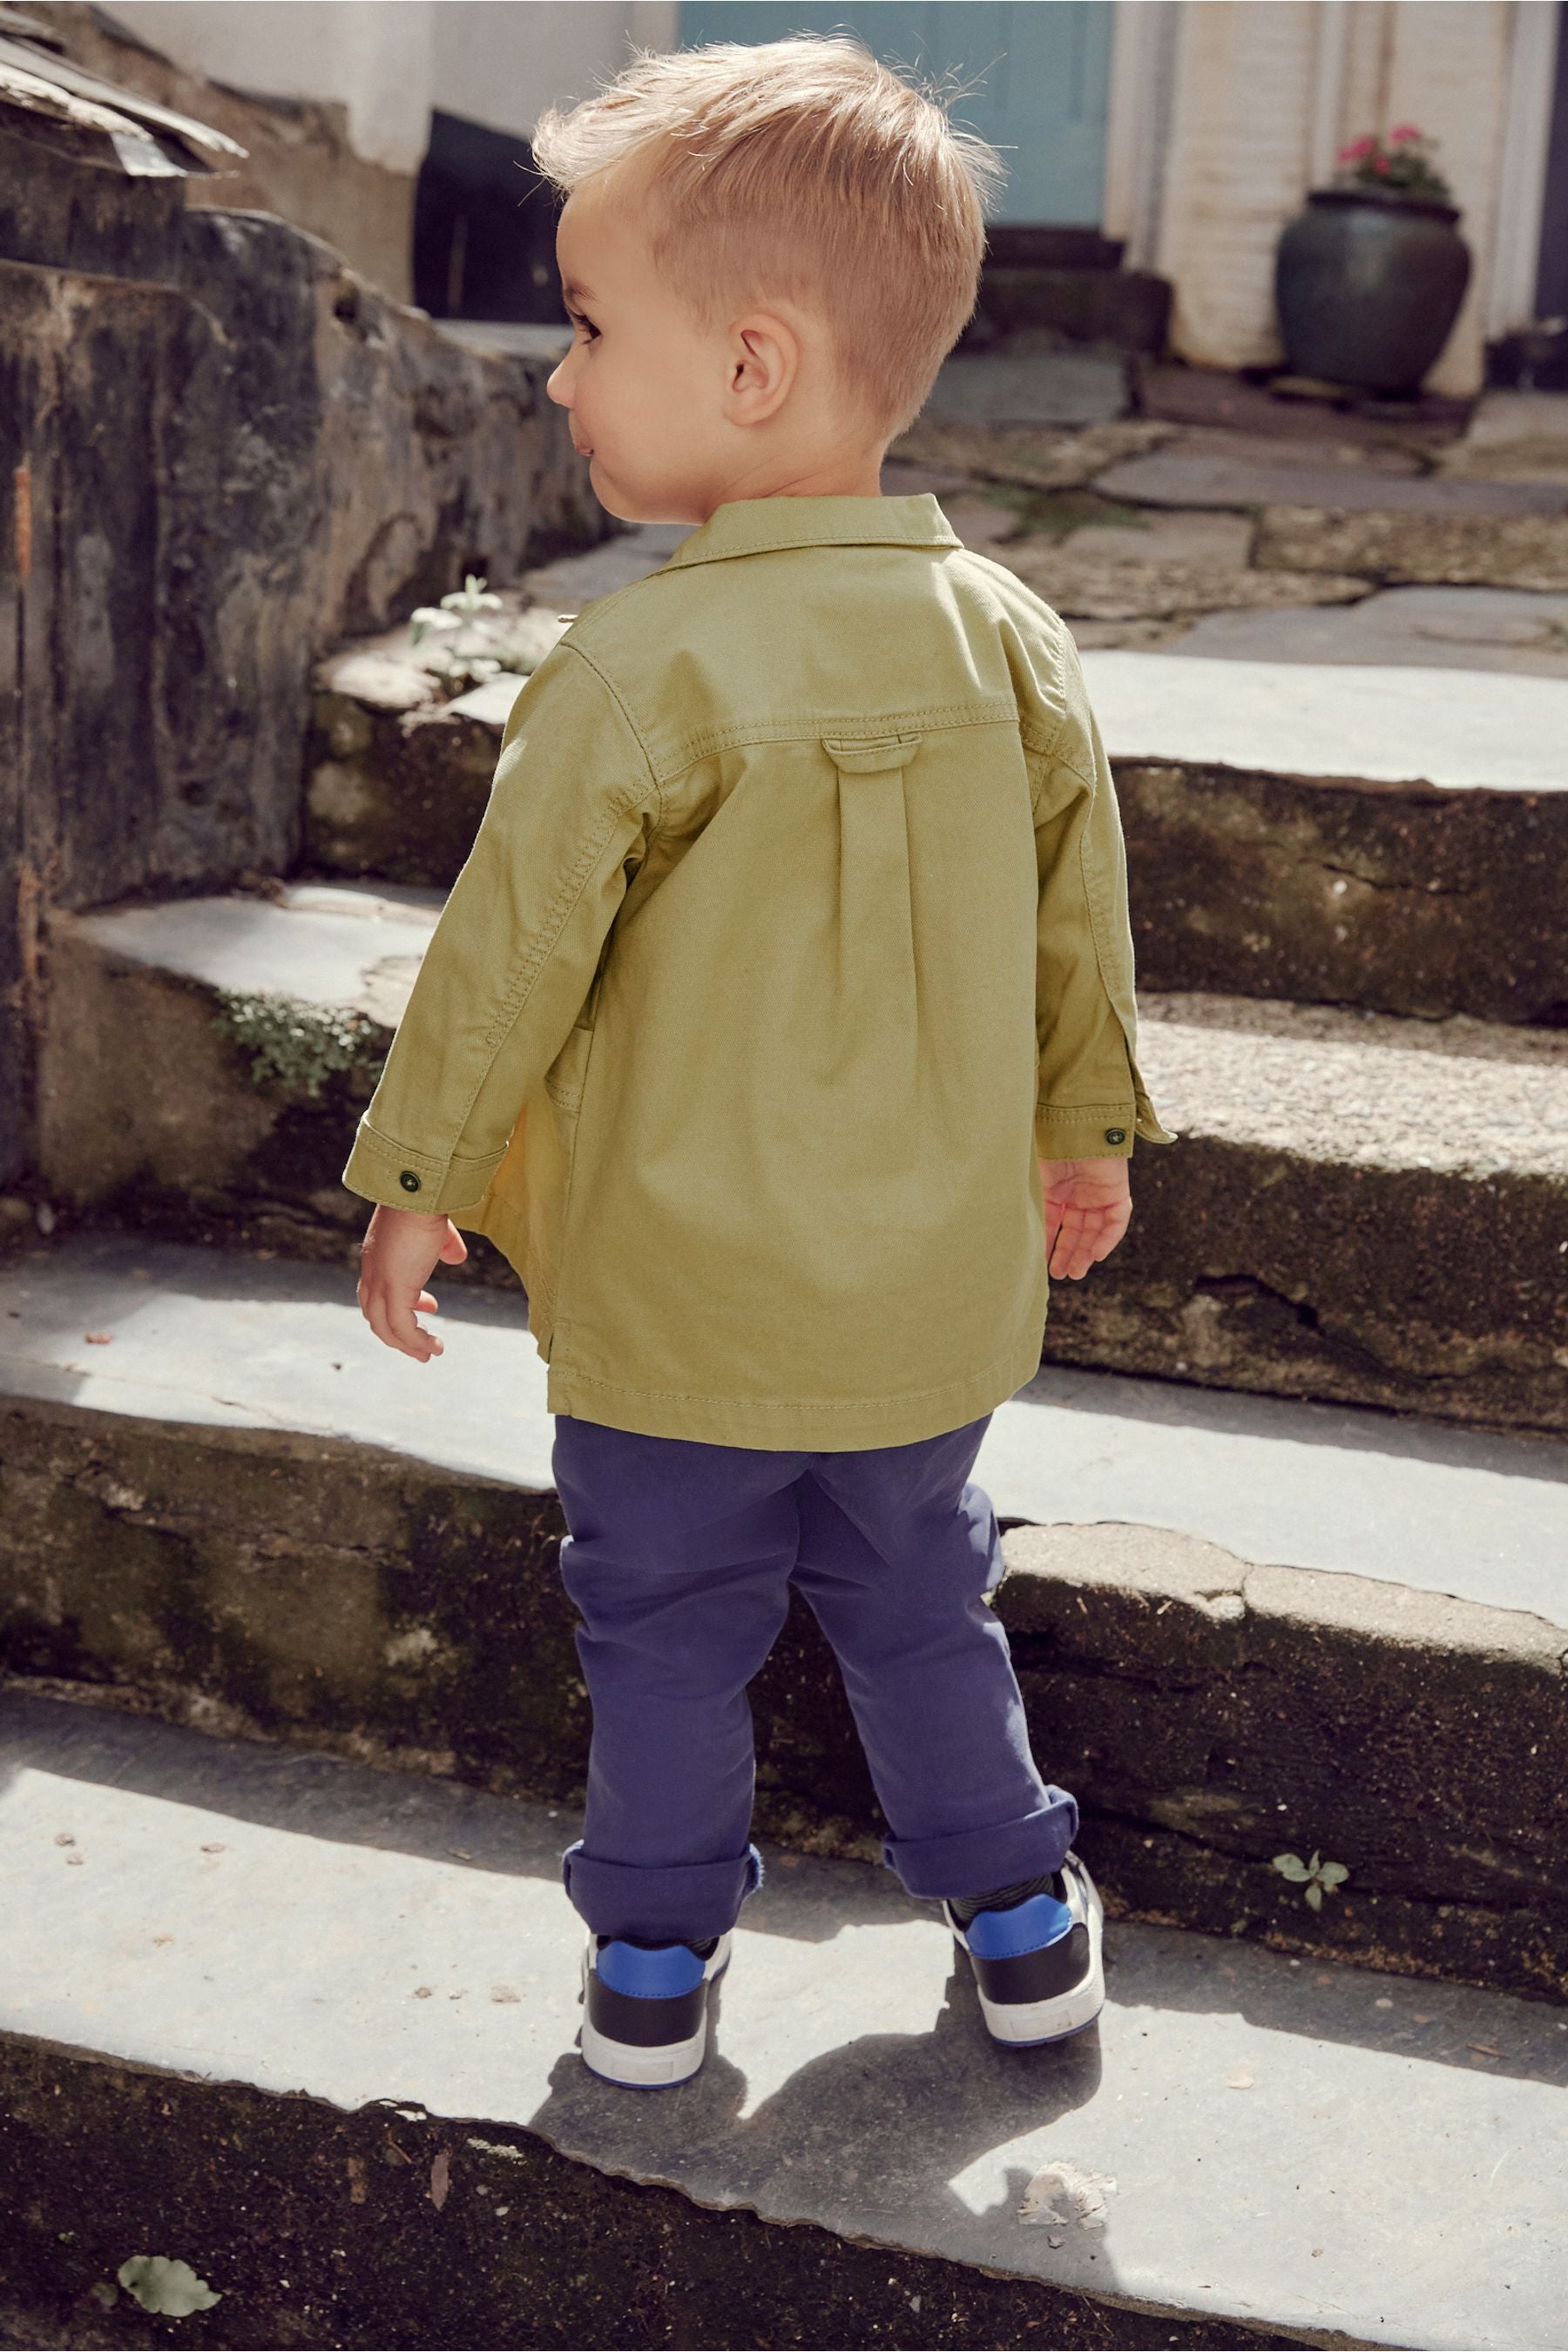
(765, 358)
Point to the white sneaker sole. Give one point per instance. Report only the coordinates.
(1065, 2013)
(640, 2068)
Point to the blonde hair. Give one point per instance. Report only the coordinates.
(802, 169)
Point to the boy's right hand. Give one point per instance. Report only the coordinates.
(1087, 1205)
(400, 1252)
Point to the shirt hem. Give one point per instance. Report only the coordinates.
(780, 1426)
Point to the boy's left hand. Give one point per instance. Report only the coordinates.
(1087, 1205)
(400, 1252)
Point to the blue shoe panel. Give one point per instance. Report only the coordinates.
(1026, 1927)
(650, 1975)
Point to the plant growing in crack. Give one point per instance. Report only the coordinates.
(461, 614)
(1315, 1875)
(295, 1047)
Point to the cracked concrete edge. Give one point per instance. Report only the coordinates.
(1161, 1566)
(232, 2162)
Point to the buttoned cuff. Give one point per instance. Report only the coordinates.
(1084, 1131)
(400, 1177)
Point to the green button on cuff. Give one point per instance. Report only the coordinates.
(409, 1182)
(1116, 1135)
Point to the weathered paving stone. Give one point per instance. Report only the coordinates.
(1112, 588)
(1511, 630)
(1034, 458)
(1500, 550)
(1512, 436)
(1176, 478)
(347, 2091)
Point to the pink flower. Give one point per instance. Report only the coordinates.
(1402, 135)
(1356, 150)
(1381, 164)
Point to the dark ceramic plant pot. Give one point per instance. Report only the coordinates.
(1368, 284)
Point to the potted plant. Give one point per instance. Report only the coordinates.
(1369, 279)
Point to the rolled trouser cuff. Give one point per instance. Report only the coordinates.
(973, 1862)
(674, 1902)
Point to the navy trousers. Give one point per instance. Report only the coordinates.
(679, 1558)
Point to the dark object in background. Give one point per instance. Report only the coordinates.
(484, 228)
(1368, 287)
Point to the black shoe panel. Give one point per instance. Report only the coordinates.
(1039, 1975)
(644, 2025)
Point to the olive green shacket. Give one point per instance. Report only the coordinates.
(794, 931)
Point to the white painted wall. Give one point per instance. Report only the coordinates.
(501, 62)
(372, 59)
(388, 62)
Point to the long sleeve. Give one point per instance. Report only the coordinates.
(1090, 1097)
(512, 959)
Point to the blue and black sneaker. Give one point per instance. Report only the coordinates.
(644, 2007)
(1035, 1952)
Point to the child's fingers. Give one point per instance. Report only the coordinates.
(1071, 1256)
(1085, 1237)
(394, 1324)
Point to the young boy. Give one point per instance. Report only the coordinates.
(794, 934)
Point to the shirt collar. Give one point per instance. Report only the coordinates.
(753, 526)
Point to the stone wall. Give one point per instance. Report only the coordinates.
(213, 467)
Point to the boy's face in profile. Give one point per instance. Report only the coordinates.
(677, 421)
(638, 381)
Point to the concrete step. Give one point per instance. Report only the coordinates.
(233, 1507)
(310, 2030)
(1368, 833)
(1321, 820)
(1327, 1161)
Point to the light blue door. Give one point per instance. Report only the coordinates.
(1036, 77)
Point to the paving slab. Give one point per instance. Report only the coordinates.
(1511, 632)
(1081, 583)
(1495, 550)
(1174, 477)
(1040, 457)
(1514, 435)
(1321, 2150)
(233, 1508)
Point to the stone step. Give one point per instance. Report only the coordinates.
(224, 1501)
(1342, 832)
(309, 2029)
(1327, 1161)
(1316, 821)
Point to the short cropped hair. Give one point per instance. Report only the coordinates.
(802, 169)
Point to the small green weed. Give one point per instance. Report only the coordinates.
(295, 1047)
(1051, 514)
(1315, 1875)
(489, 652)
